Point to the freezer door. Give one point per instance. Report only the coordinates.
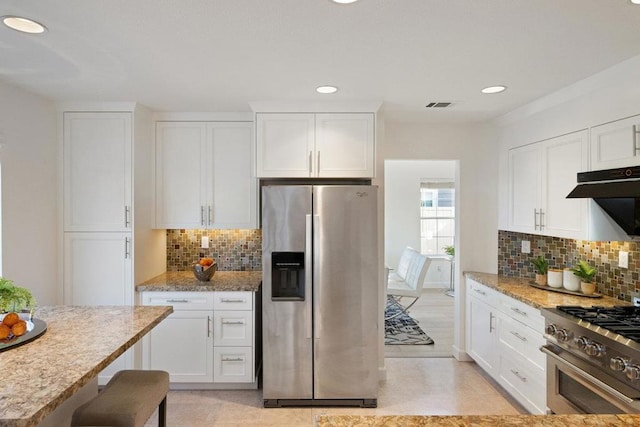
(287, 318)
(345, 292)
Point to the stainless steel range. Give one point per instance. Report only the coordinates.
(593, 359)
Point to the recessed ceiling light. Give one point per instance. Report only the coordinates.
(23, 25)
(635, 1)
(351, 1)
(326, 89)
(495, 89)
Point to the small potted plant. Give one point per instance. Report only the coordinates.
(14, 298)
(542, 266)
(586, 273)
(449, 250)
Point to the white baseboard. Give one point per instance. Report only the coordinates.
(460, 355)
(382, 373)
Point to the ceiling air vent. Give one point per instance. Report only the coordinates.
(438, 104)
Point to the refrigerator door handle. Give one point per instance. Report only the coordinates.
(308, 277)
(316, 275)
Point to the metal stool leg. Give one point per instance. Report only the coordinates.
(162, 413)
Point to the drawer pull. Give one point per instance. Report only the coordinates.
(520, 377)
(233, 300)
(233, 359)
(520, 312)
(233, 322)
(178, 300)
(480, 292)
(517, 335)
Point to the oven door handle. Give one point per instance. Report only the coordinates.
(612, 391)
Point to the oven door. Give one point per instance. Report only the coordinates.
(572, 387)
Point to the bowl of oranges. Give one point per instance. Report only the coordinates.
(205, 269)
(14, 325)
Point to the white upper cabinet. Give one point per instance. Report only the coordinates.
(204, 175)
(321, 145)
(97, 171)
(285, 145)
(615, 144)
(540, 177)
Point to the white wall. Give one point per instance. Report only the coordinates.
(474, 148)
(402, 210)
(28, 156)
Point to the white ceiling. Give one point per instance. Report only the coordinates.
(219, 55)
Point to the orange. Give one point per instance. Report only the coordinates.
(11, 319)
(4, 331)
(20, 328)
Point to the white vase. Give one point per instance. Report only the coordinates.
(554, 278)
(570, 281)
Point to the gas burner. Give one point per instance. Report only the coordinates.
(623, 320)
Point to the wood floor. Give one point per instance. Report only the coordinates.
(434, 314)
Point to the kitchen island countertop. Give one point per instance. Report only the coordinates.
(519, 289)
(185, 281)
(477, 420)
(80, 341)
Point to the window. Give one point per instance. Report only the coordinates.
(437, 216)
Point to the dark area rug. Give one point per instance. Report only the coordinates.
(402, 329)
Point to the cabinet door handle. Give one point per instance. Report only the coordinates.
(127, 254)
(480, 292)
(232, 300)
(310, 163)
(209, 215)
(233, 359)
(201, 215)
(541, 220)
(517, 335)
(520, 312)
(318, 163)
(127, 213)
(233, 322)
(178, 300)
(535, 218)
(208, 326)
(517, 374)
(490, 322)
(635, 140)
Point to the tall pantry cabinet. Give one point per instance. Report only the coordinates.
(108, 243)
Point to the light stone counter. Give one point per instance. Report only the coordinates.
(519, 289)
(477, 421)
(37, 377)
(185, 281)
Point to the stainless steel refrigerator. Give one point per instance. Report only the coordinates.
(320, 295)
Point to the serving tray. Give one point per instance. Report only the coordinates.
(565, 291)
(39, 328)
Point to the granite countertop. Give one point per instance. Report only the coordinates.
(477, 420)
(80, 341)
(185, 281)
(519, 289)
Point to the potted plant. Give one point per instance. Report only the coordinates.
(542, 266)
(586, 273)
(449, 250)
(14, 298)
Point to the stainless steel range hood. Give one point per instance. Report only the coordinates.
(617, 192)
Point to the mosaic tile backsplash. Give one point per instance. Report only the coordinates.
(560, 253)
(233, 250)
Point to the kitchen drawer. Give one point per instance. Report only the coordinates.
(233, 364)
(517, 337)
(180, 300)
(233, 301)
(482, 292)
(522, 312)
(524, 381)
(233, 328)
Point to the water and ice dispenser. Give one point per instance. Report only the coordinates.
(287, 276)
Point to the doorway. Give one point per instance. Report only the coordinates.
(420, 213)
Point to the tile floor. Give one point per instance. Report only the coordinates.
(414, 386)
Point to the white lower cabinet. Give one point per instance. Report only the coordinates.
(203, 343)
(504, 337)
